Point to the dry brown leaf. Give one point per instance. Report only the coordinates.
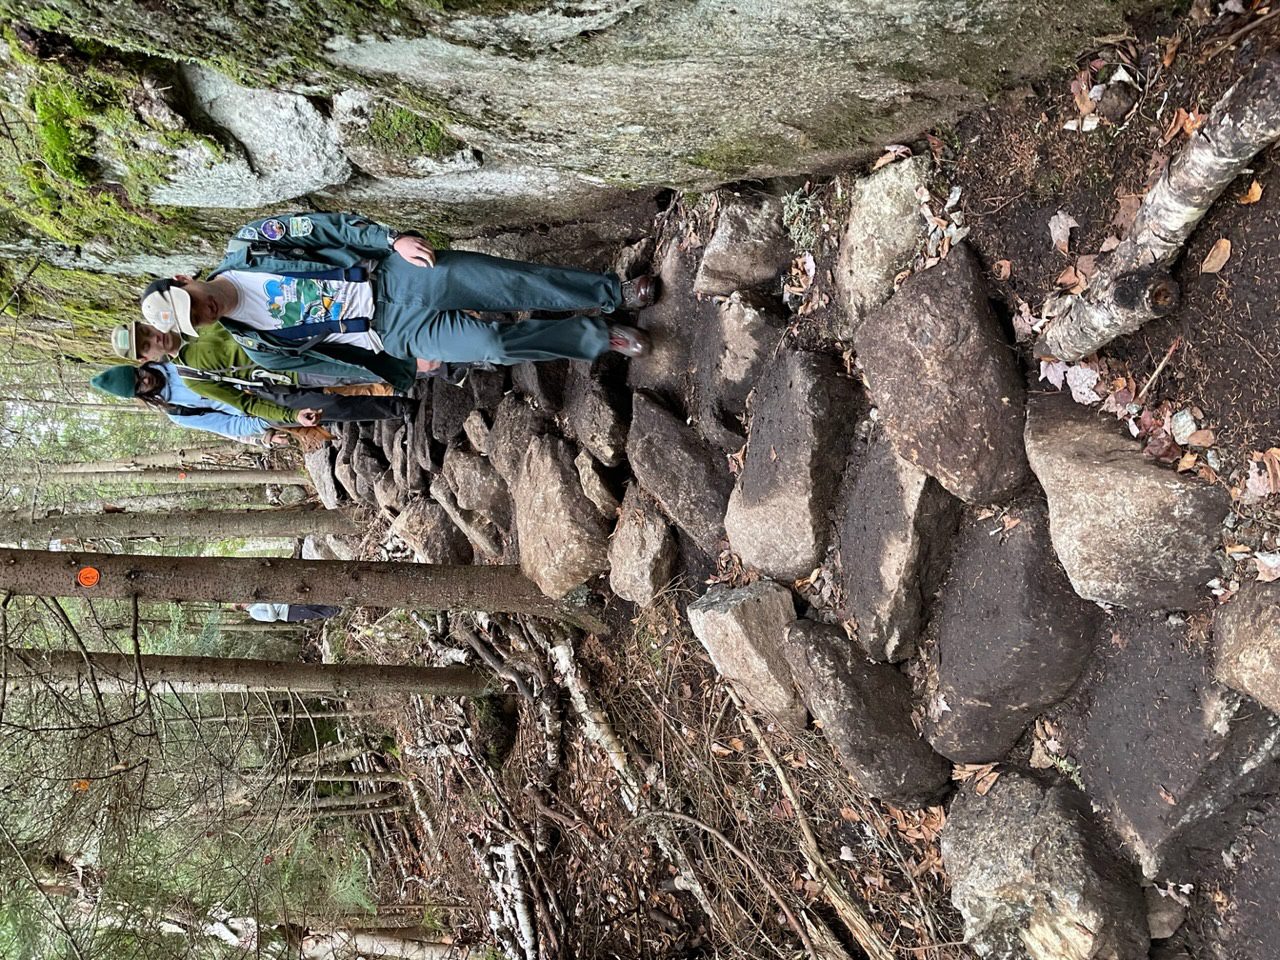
(985, 783)
(1271, 461)
(1187, 462)
(1001, 269)
(1071, 280)
(1126, 212)
(1175, 126)
(1252, 195)
(1168, 797)
(1087, 265)
(1109, 244)
(1171, 51)
(1010, 522)
(1201, 438)
(1217, 257)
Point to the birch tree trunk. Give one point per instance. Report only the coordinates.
(209, 524)
(494, 589)
(1133, 285)
(115, 673)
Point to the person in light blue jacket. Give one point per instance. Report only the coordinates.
(185, 407)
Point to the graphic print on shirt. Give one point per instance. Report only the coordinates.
(291, 301)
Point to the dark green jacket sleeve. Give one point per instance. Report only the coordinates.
(248, 403)
(330, 237)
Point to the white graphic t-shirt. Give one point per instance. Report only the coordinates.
(269, 301)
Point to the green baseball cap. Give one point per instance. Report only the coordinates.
(119, 381)
(124, 341)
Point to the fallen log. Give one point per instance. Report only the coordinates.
(1133, 284)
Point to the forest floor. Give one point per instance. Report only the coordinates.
(747, 796)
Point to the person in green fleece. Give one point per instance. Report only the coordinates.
(322, 292)
(218, 369)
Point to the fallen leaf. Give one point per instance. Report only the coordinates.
(936, 146)
(1187, 462)
(1055, 372)
(1160, 447)
(1060, 226)
(1109, 244)
(1217, 257)
(985, 783)
(1070, 280)
(1201, 438)
(1082, 380)
(1171, 51)
(1010, 522)
(1252, 195)
(1257, 485)
(1176, 123)
(893, 151)
(1126, 212)
(1168, 797)
(1271, 461)
(1001, 269)
(1086, 266)
(1268, 566)
(80, 786)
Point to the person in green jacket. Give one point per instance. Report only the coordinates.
(324, 289)
(217, 368)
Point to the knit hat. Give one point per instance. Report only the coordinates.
(118, 381)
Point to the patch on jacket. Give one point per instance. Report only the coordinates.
(272, 229)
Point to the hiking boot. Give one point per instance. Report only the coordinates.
(640, 292)
(628, 341)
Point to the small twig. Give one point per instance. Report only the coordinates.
(747, 861)
(849, 912)
(1240, 34)
(1177, 342)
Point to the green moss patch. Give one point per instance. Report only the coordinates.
(398, 131)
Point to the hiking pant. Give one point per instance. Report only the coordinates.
(335, 407)
(419, 311)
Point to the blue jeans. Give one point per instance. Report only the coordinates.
(419, 310)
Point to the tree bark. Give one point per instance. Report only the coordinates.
(205, 524)
(182, 456)
(186, 477)
(1132, 285)
(496, 589)
(117, 673)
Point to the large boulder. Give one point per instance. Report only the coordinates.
(515, 423)
(450, 405)
(1010, 635)
(947, 382)
(642, 552)
(431, 535)
(1033, 879)
(747, 249)
(563, 539)
(1239, 921)
(593, 418)
(319, 464)
(864, 709)
(882, 234)
(281, 147)
(800, 427)
(741, 341)
(1169, 755)
(689, 480)
(1128, 531)
(1247, 635)
(742, 630)
(476, 485)
(894, 524)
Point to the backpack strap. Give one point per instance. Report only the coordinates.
(320, 328)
